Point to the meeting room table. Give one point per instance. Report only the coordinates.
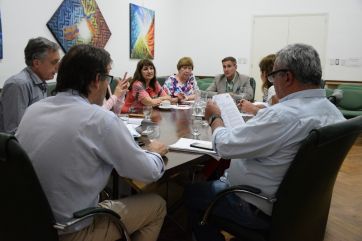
(171, 125)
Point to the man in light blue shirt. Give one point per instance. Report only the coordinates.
(74, 144)
(262, 149)
(28, 86)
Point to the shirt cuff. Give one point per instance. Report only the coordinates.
(214, 136)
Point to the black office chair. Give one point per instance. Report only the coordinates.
(24, 209)
(50, 88)
(302, 202)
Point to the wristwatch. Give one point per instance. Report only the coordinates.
(213, 117)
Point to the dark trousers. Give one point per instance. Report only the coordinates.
(232, 207)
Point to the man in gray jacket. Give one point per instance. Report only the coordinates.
(28, 86)
(232, 82)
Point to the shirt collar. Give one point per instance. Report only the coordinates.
(310, 93)
(34, 77)
(75, 93)
(233, 79)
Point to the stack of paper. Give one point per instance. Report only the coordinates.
(183, 144)
(229, 111)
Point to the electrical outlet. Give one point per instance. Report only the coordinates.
(242, 60)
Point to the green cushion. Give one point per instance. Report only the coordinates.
(206, 80)
(209, 80)
(329, 92)
(350, 87)
(203, 85)
(113, 85)
(161, 79)
(352, 99)
(350, 113)
(51, 87)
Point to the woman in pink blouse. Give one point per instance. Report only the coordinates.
(144, 88)
(116, 100)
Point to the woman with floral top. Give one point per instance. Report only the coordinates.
(182, 86)
(144, 88)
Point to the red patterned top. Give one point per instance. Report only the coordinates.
(137, 93)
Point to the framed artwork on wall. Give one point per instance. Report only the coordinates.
(142, 32)
(77, 22)
(1, 40)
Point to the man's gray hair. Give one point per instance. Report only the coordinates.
(37, 48)
(303, 61)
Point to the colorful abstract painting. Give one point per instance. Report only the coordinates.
(142, 32)
(1, 40)
(79, 21)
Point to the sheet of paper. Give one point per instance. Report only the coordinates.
(136, 121)
(181, 107)
(229, 111)
(183, 144)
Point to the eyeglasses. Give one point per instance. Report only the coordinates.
(109, 78)
(272, 75)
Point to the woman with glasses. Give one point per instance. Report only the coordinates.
(144, 88)
(269, 96)
(116, 100)
(182, 86)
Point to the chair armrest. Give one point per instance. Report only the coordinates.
(91, 212)
(94, 210)
(245, 189)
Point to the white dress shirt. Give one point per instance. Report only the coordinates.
(263, 148)
(74, 145)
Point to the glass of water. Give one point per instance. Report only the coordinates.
(242, 93)
(195, 122)
(153, 132)
(197, 109)
(147, 111)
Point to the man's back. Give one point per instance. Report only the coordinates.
(269, 141)
(74, 146)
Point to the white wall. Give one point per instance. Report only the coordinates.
(206, 30)
(220, 28)
(24, 19)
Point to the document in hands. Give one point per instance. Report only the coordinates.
(229, 111)
(185, 144)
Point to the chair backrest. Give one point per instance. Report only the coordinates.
(24, 208)
(161, 79)
(352, 99)
(51, 87)
(329, 92)
(204, 83)
(253, 85)
(303, 198)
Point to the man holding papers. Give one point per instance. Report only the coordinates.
(262, 149)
